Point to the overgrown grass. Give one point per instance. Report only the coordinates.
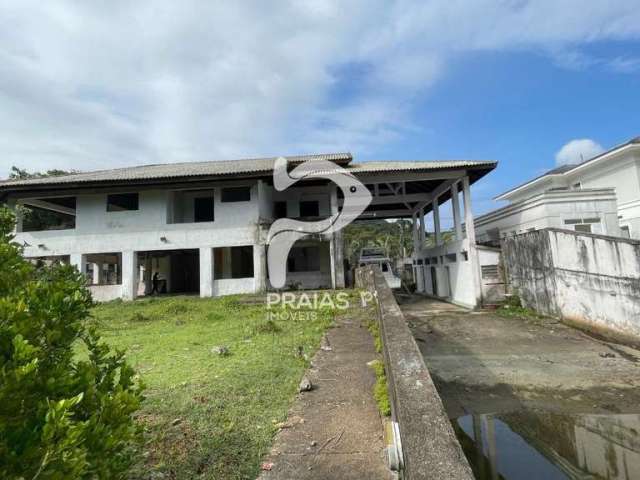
(207, 415)
(513, 308)
(373, 325)
(380, 390)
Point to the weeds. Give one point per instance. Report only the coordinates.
(380, 389)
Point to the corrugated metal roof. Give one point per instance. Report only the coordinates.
(234, 167)
(397, 166)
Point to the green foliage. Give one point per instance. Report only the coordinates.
(373, 325)
(512, 308)
(380, 389)
(396, 238)
(60, 417)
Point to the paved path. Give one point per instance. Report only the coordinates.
(334, 431)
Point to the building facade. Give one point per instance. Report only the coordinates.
(601, 195)
(202, 227)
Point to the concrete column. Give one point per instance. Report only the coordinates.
(471, 239)
(422, 231)
(336, 246)
(436, 221)
(129, 275)
(17, 210)
(260, 268)
(96, 273)
(455, 203)
(339, 249)
(332, 258)
(206, 272)
(79, 261)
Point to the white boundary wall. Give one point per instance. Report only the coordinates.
(585, 278)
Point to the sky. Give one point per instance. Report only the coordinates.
(531, 84)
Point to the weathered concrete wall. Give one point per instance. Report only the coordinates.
(429, 446)
(455, 279)
(585, 278)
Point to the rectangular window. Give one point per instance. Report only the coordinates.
(236, 194)
(280, 210)
(119, 202)
(232, 262)
(203, 209)
(577, 186)
(591, 220)
(625, 231)
(304, 259)
(310, 209)
(584, 228)
(572, 221)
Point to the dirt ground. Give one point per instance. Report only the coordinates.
(483, 362)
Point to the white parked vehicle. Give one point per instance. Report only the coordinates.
(377, 256)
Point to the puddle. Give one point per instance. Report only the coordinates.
(529, 444)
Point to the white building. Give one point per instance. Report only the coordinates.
(601, 195)
(202, 227)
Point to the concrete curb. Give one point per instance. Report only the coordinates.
(430, 449)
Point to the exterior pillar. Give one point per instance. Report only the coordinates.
(96, 273)
(332, 258)
(422, 231)
(19, 213)
(339, 250)
(206, 272)
(416, 246)
(260, 268)
(129, 275)
(79, 261)
(436, 221)
(455, 203)
(336, 247)
(471, 239)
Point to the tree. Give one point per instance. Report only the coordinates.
(39, 218)
(66, 400)
(23, 174)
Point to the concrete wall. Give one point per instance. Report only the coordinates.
(429, 448)
(584, 278)
(100, 231)
(105, 293)
(455, 279)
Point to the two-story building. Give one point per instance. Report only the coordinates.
(202, 227)
(600, 195)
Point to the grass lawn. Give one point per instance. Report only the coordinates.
(208, 415)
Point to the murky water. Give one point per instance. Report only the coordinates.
(541, 445)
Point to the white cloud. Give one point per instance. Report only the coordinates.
(95, 85)
(577, 151)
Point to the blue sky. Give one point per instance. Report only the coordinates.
(86, 85)
(520, 109)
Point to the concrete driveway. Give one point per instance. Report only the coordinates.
(481, 361)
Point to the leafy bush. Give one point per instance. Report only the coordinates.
(60, 417)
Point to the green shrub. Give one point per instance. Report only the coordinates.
(60, 417)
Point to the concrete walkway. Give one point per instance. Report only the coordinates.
(335, 430)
